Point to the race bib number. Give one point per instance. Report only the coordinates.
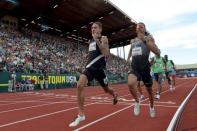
(158, 65)
(92, 46)
(136, 51)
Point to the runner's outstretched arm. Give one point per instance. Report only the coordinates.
(152, 46)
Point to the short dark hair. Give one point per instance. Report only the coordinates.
(146, 33)
(99, 24)
(142, 24)
(166, 57)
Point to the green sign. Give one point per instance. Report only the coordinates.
(53, 80)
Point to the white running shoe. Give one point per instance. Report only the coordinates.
(152, 112)
(157, 96)
(77, 121)
(141, 97)
(136, 108)
(171, 89)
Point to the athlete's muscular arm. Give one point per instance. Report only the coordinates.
(152, 61)
(130, 53)
(151, 45)
(103, 45)
(164, 62)
(173, 65)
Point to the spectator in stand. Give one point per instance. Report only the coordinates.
(27, 51)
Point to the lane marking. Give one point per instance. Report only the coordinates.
(180, 110)
(29, 107)
(165, 102)
(40, 116)
(49, 114)
(160, 105)
(114, 113)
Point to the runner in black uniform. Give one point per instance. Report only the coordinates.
(98, 49)
(140, 66)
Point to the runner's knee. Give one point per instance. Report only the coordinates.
(80, 86)
(132, 80)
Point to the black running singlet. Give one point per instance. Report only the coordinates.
(96, 60)
(140, 52)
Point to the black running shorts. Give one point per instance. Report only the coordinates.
(158, 77)
(143, 74)
(98, 74)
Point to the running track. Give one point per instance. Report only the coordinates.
(53, 110)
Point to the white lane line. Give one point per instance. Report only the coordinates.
(40, 94)
(179, 111)
(102, 118)
(165, 102)
(16, 102)
(29, 94)
(159, 105)
(40, 116)
(48, 114)
(114, 113)
(127, 104)
(29, 107)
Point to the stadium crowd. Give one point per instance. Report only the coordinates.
(27, 51)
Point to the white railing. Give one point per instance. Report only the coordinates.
(179, 111)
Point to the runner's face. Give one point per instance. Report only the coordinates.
(96, 31)
(166, 57)
(140, 28)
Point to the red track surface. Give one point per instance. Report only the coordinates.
(188, 119)
(53, 110)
